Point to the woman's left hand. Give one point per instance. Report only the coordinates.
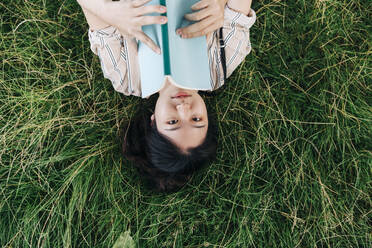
(209, 16)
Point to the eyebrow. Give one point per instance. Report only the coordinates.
(176, 128)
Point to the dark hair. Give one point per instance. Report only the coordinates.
(163, 165)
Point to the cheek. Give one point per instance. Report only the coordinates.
(162, 111)
(159, 107)
(200, 101)
(201, 107)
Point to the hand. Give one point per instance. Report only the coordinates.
(209, 16)
(129, 17)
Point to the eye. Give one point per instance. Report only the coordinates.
(196, 119)
(172, 122)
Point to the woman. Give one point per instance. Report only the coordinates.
(169, 145)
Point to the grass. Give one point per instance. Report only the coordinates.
(294, 160)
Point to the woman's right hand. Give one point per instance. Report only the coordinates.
(128, 16)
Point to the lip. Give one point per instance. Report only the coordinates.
(181, 95)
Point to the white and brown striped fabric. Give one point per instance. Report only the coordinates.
(119, 61)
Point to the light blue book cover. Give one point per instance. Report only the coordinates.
(183, 61)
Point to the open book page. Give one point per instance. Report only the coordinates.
(150, 63)
(188, 57)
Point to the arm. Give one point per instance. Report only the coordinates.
(242, 6)
(94, 21)
(209, 15)
(239, 18)
(127, 16)
(94, 6)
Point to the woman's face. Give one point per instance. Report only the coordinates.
(181, 115)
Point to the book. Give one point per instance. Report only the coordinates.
(183, 61)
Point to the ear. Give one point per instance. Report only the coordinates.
(152, 119)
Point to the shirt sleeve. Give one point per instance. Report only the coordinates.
(118, 58)
(236, 36)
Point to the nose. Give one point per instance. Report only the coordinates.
(183, 110)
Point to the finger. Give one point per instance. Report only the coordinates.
(139, 3)
(199, 15)
(203, 32)
(147, 41)
(149, 20)
(200, 5)
(196, 27)
(148, 9)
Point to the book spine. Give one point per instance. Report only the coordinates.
(165, 43)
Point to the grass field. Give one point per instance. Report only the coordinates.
(293, 167)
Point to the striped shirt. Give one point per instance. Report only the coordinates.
(119, 59)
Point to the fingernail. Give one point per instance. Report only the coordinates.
(179, 32)
(163, 20)
(158, 51)
(163, 9)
